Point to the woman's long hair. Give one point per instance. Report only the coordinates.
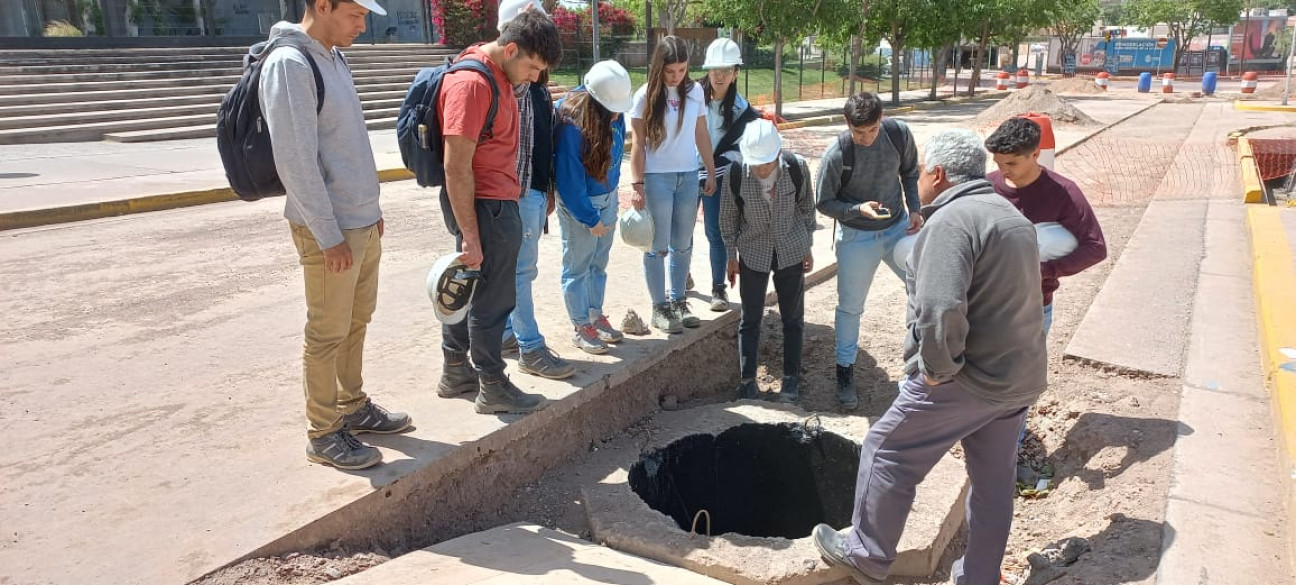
(727, 103)
(670, 50)
(595, 123)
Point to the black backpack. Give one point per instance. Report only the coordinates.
(898, 139)
(418, 128)
(242, 136)
(734, 177)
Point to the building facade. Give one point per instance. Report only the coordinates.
(167, 20)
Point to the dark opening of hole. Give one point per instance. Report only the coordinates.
(754, 479)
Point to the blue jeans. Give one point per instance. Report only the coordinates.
(859, 253)
(585, 260)
(672, 203)
(1048, 318)
(711, 219)
(522, 323)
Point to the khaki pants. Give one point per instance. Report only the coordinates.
(338, 309)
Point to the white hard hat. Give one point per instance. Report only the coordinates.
(1054, 241)
(609, 83)
(450, 285)
(372, 6)
(509, 9)
(903, 248)
(722, 53)
(636, 228)
(760, 142)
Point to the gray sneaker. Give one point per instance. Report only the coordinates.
(832, 547)
(343, 451)
(545, 363)
(606, 332)
(719, 299)
(686, 317)
(372, 418)
(500, 396)
(587, 339)
(663, 317)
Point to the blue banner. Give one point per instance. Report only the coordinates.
(1122, 54)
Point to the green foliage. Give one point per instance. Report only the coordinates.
(1070, 21)
(1186, 19)
(62, 28)
(871, 66)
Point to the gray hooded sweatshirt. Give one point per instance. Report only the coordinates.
(324, 160)
(974, 298)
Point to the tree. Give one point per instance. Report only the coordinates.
(1071, 21)
(1186, 19)
(671, 13)
(844, 23)
(778, 22)
(895, 20)
(938, 34)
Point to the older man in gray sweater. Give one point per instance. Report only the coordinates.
(975, 360)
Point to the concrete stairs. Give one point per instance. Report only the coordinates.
(139, 95)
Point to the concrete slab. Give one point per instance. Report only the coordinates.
(522, 554)
(1139, 320)
(620, 519)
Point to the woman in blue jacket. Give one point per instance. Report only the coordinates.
(727, 115)
(587, 161)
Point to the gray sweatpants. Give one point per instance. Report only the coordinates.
(921, 426)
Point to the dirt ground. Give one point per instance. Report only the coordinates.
(1105, 438)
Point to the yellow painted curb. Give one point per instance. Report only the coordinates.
(1275, 280)
(1249, 107)
(1252, 186)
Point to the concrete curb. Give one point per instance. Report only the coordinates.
(1275, 279)
(1240, 105)
(1252, 187)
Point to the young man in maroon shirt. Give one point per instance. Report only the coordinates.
(1044, 196)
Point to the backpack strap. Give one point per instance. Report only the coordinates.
(847, 147)
(488, 129)
(794, 171)
(734, 177)
(305, 52)
(899, 138)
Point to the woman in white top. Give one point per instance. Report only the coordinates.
(670, 134)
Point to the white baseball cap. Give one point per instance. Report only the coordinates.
(760, 143)
(509, 9)
(372, 6)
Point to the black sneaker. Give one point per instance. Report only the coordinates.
(686, 317)
(748, 390)
(509, 346)
(719, 299)
(500, 396)
(372, 418)
(846, 388)
(832, 547)
(663, 317)
(343, 451)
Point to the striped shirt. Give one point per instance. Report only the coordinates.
(781, 224)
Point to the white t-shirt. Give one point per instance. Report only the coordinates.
(678, 153)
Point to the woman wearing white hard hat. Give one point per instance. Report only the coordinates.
(727, 114)
(767, 219)
(591, 142)
(669, 120)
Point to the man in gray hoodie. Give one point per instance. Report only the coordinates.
(975, 359)
(327, 167)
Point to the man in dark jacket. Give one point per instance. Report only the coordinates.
(975, 361)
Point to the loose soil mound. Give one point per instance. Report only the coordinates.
(1273, 91)
(1077, 85)
(1034, 99)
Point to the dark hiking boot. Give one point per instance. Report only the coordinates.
(500, 396)
(372, 418)
(748, 390)
(509, 346)
(791, 390)
(457, 375)
(342, 450)
(846, 387)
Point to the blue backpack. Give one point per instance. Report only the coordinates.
(418, 127)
